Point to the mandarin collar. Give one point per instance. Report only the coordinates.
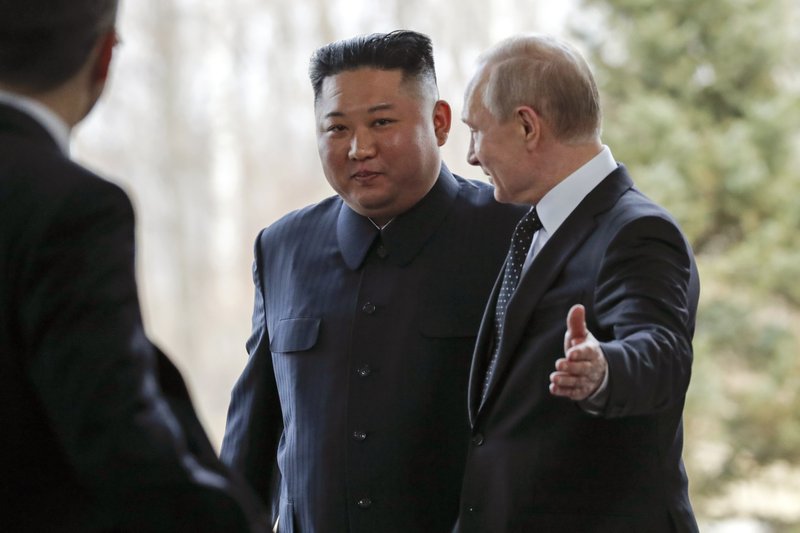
(405, 237)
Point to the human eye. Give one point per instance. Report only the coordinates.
(383, 121)
(335, 128)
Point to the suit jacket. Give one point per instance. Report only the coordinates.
(359, 357)
(540, 463)
(98, 432)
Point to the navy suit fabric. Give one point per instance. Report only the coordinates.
(351, 413)
(537, 462)
(98, 432)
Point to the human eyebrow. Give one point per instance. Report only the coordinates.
(380, 107)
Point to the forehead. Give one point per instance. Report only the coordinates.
(364, 88)
(473, 97)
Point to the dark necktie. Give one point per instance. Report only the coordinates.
(520, 244)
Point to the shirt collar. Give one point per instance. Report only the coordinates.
(554, 208)
(42, 114)
(405, 237)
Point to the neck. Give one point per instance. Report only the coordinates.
(71, 105)
(564, 159)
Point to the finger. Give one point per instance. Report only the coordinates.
(582, 352)
(584, 377)
(574, 381)
(576, 322)
(574, 368)
(566, 381)
(573, 393)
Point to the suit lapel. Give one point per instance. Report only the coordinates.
(480, 355)
(535, 282)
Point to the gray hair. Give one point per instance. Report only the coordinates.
(547, 75)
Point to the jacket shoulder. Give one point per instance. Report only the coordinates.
(35, 173)
(478, 197)
(308, 220)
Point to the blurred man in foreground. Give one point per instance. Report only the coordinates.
(98, 432)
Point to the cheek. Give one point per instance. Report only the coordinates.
(332, 164)
(402, 142)
(323, 148)
(482, 151)
(328, 151)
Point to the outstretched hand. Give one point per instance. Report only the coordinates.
(582, 369)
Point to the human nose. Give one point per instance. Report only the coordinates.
(362, 146)
(472, 159)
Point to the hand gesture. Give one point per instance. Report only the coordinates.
(582, 369)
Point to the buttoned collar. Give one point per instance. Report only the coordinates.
(44, 117)
(405, 237)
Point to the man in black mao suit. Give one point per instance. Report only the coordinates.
(583, 360)
(98, 432)
(350, 414)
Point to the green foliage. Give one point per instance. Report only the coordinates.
(699, 104)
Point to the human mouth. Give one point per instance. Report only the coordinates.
(365, 175)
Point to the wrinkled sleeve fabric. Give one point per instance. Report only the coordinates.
(646, 299)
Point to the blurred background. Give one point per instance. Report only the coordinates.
(208, 124)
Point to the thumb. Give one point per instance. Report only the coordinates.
(576, 322)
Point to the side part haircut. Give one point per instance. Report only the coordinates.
(43, 43)
(404, 50)
(547, 75)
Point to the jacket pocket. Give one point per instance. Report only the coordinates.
(294, 335)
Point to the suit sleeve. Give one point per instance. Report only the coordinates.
(645, 306)
(96, 376)
(255, 422)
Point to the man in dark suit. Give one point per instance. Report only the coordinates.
(350, 414)
(576, 426)
(98, 432)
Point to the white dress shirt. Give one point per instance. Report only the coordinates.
(553, 209)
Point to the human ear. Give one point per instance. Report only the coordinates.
(105, 51)
(442, 117)
(530, 123)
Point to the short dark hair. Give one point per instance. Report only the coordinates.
(405, 50)
(45, 42)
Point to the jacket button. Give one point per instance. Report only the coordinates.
(360, 435)
(368, 308)
(364, 503)
(382, 251)
(363, 371)
(477, 439)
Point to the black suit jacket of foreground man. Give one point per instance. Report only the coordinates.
(98, 432)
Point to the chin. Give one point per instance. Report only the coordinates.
(500, 196)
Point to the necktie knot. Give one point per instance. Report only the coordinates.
(518, 251)
(528, 225)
